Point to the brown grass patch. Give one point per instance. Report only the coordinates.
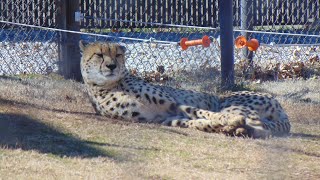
(48, 131)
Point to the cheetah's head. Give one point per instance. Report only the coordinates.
(102, 64)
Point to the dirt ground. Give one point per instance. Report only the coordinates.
(48, 130)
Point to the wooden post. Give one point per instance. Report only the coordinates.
(69, 51)
(226, 43)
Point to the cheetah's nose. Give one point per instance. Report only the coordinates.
(111, 66)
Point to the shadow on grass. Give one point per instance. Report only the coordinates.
(41, 107)
(300, 96)
(309, 137)
(18, 131)
(305, 136)
(122, 146)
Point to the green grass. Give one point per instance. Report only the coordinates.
(48, 130)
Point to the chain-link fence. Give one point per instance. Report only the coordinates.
(287, 30)
(291, 50)
(25, 50)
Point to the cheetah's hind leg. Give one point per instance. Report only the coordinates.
(233, 126)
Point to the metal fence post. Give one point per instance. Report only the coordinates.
(69, 51)
(226, 44)
(246, 24)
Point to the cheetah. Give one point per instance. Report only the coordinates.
(116, 93)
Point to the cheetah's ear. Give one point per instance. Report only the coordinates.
(123, 48)
(82, 45)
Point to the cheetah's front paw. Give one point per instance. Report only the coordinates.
(234, 126)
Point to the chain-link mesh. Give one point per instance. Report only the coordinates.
(156, 21)
(27, 50)
(292, 51)
(155, 27)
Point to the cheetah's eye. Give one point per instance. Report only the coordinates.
(99, 55)
(118, 55)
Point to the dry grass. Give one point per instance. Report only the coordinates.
(48, 131)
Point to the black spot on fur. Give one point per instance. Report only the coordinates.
(114, 99)
(161, 101)
(267, 108)
(118, 105)
(147, 97)
(195, 114)
(111, 109)
(154, 100)
(133, 104)
(178, 123)
(255, 119)
(137, 96)
(124, 113)
(134, 114)
(173, 107)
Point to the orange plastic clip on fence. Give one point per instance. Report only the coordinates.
(185, 43)
(252, 44)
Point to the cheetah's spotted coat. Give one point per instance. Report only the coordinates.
(117, 94)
